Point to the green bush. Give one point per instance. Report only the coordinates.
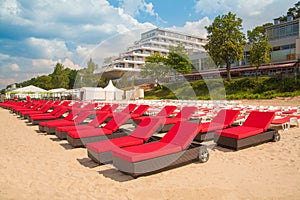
(242, 88)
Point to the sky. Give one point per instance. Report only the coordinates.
(35, 35)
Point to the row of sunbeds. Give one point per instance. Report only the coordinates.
(97, 126)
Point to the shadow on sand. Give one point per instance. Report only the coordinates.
(87, 162)
(115, 175)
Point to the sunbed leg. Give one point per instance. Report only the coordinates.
(276, 137)
(203, 154)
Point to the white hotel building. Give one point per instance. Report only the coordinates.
(153, 41)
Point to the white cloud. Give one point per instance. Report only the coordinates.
(15, 67)
(253, 13)
(45, 66)
(134, 7)
(49, 48)
(9, 8)
(35, 35)
(4, 56)
(194, 28)
(69, 64)
(6, 81)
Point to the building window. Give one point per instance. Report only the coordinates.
(283, 31)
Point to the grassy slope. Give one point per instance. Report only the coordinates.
(243, 88)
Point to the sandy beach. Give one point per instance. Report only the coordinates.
(38, 166)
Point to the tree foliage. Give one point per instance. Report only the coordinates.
(72, 74)
(293, 11)
(86, 76)
(44, 82)
(178, 59)
(158, 66)
(155, 67)
(226, 41)
(259, 47)
(60, 77)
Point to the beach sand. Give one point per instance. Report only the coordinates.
(279, 101)
(38, 166)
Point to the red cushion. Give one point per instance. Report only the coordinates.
(186, 113)
(289, 112)
(296, 116)
(208, 126)
(259, 119)
(73, 128)
(146, 128)
(117, 120)
(145, 151)
(166, 111)
(225, 117)
(139, 111)
(240, 132)
(46, 123)
(89, 133)
(173, 120)
(281, 120)
(109, 145)
(32, 112)
(82, 116)
(62, 123)
(181, 134)
(43, 117)
(100, 118)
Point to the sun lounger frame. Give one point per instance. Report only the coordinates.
(195, 152)
(237, 144)
(80, 142)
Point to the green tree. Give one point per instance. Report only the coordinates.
(226, 41)
(102, 82)
(178, 59)
(44, 82)
(155, 67)
(293, 11)
(86, 76)
(259, 47)
(60, 77)
(72, 74)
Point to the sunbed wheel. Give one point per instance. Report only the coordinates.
(276, 137)
(203, 154)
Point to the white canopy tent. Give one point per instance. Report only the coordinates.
(57, 92)
(92, 93)
(31, 90)
(75, 93)
(113, 93)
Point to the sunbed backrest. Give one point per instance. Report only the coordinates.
(117, 120)
(225, 117)
(259, 119)
(114, 107)
(82, 116)
(129, 108)
(61, 112)
(182, 134)
(65, 103)
(146, 128)
(166, 111)
(186, 112)
(140, 110)
(101, 117)
(106, 107)
(230, 117)
(77, 104)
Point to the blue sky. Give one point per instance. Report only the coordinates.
(35, 35)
